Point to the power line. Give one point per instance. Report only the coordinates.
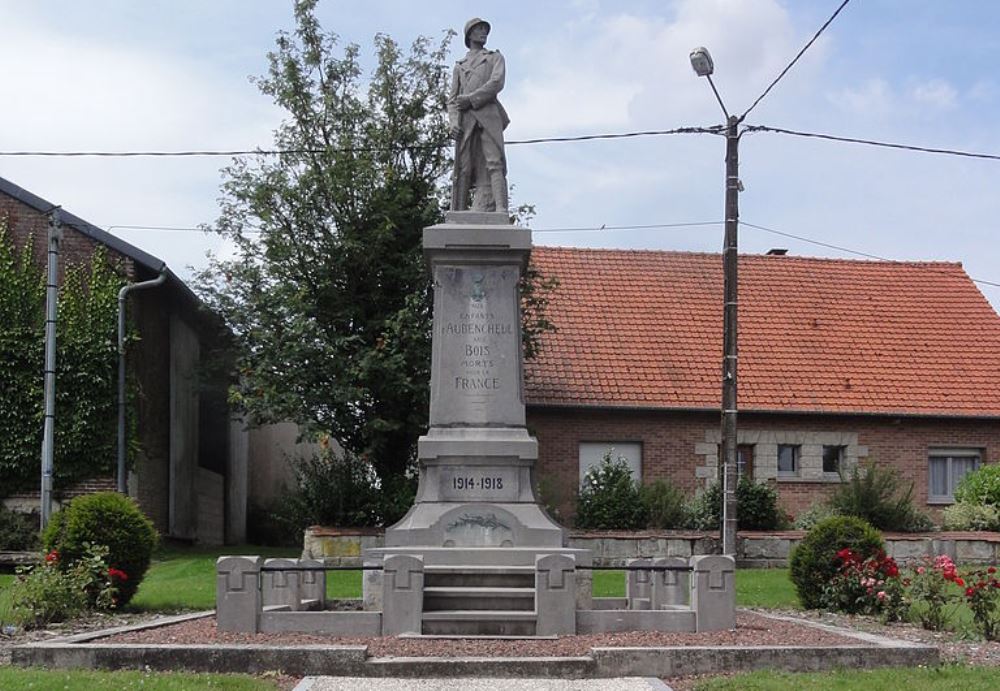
(872, 142)
(848, 250)
(360, 149)
(584, 229)
(795, 59)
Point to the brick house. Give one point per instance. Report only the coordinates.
(841, 361)
(190, 476)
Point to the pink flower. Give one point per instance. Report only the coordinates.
(880, 595)
(920, 570)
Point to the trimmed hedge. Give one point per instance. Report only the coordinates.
(109, 519)
(814, 560)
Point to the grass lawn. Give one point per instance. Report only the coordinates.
(184, 579)
(13, 679)
(754, 587)
(945, 678)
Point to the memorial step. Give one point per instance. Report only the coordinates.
(444, 598)
(479, 576)
(479, 623)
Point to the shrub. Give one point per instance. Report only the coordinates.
(757, 507)
(814, 561)
(56, 590)
(930, 589)
(982, 595)
(866, 586)
(609, 498)
(875, 495)
(966, 516)
(276, 524)
(18, 531)
(336, 490)
(813, 515)
(109, 519)
(666, 506)
(981, 486)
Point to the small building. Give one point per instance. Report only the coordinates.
(190, 476)
(840, 362)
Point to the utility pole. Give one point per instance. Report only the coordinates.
(728, 472)
(51, 296)
(729, 456)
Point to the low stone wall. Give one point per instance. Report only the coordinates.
(754, 550)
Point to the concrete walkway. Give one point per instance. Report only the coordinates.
(478, 684)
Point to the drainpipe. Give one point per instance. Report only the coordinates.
(122, 294)
(51, 297)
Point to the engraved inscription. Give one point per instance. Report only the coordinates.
(478, 483)
(476, 332)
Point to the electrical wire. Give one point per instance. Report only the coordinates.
(848, 250)
(278, 152)
(872, 142)
(794, 60)
(586, 229)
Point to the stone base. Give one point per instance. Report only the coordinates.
(475, 525)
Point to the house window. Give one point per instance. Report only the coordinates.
(592, 453)
(946, 468)
(833, 459)
(788, 459)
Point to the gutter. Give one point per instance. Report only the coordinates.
(122, 294)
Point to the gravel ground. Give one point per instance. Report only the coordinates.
(752, 629)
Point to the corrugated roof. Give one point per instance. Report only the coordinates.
(644, 329)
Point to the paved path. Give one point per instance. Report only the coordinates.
(479, 684)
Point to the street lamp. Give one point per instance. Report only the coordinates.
(703, 66)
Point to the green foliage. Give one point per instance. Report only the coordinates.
(86, 360)
(757, 507)
(59, 589)
(110, 519)
(814, 562)
(875, 495)
(18, 531)
(336, 490)
(813, 515)
(981, 486)
(968, 516)
(609, 498)
(665, 505)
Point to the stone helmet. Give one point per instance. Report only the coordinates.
(471, 23)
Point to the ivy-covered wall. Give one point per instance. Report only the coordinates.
(86, 363)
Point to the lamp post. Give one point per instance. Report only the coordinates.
(703, 66)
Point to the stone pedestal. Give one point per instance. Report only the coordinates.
(477, 459)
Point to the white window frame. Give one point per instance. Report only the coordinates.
(949, 454)
(796, 461)
(592, 452)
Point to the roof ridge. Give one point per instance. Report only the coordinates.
(752, 256)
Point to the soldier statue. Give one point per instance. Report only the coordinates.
(477, 122)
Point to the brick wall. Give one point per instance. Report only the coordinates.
(669, 442)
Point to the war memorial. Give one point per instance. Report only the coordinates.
(477, 555)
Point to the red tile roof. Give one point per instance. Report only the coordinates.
(644, 329)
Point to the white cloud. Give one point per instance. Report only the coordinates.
(936, 93)
(872, 98)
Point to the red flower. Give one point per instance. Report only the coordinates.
(52, 557)
(969, 592)
(114, 573)
(992, 569)
(960, 583)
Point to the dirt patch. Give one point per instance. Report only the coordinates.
(751, 629)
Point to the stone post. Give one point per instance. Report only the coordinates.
(282, 587)
(639, 585)
(713, 592)
(670, 587)
(555, 594)
(237, 594)
(312, 585)
(402, 594)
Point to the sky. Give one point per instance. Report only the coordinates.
(119, 75)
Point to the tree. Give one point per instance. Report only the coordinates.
(327, 296)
